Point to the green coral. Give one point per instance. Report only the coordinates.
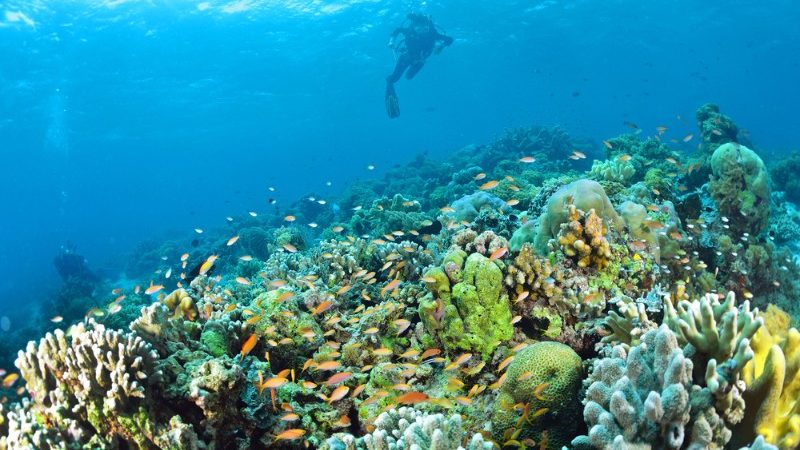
(546, 378)
(471, 315)
(740, 187)
(214, 340)
(612, 170)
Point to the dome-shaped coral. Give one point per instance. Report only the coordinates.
(546, 378)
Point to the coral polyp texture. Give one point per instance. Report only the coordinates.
(509, 298)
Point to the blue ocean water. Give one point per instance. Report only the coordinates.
(122, 120)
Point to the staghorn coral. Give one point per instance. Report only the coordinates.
(583, 238)
(407, 428)
(643, 397)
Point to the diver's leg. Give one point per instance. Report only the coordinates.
(399, 68)
(412, 71)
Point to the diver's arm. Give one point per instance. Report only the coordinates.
(444, 39)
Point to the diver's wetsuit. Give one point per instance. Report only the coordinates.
(420, 39)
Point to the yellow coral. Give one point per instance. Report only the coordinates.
(773, 384)
(181, 303)
(529, 273)
(584, 238)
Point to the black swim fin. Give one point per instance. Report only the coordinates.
(392, 103)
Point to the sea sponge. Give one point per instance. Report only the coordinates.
(583, 238)
(546, 377)
(585, 195)
(740, 187)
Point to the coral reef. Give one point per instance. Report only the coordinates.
(408, 428)
(545, 378)
(471, 303)
(740, 187)
(467, 311)
(585, 195)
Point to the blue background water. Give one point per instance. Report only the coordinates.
(122, 119)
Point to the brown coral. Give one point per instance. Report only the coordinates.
(181, 304)
(583, 239)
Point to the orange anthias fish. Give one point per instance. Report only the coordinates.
(153, 288)
(392, 285)
(338, 378)
(249, 344)
(290, 435)
(499, 253)
(489, 185)
(410, 398)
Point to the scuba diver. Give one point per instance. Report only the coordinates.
(420, 38)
